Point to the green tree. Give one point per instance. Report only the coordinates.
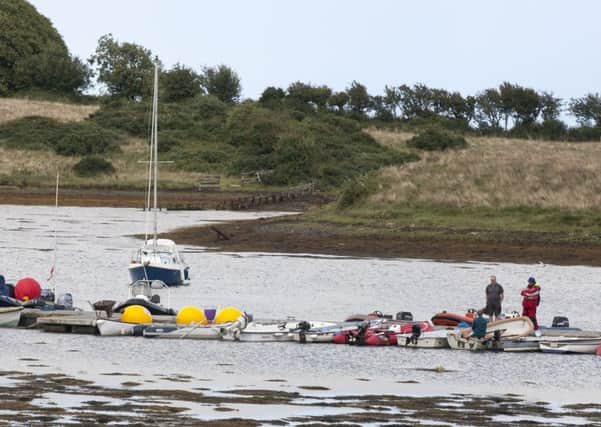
(338, 100)
(272, 97)
(314, 96)
(125, 68)
(33, 54)
(63, 74)
(489, 108)
(222, 82)
(392, 100)
(587, 109)
(180, 83)
(550, 107)
(359, 99)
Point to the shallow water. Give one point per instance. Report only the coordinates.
(94, 250)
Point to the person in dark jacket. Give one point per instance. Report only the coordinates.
(494, 298)
(479, 325)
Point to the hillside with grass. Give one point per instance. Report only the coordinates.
(495, 188)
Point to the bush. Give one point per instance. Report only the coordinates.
(93, 166)
(67, 139)
(356, 190)
(436, 140)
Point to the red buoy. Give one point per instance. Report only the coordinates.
(27, 289)
(599, 350)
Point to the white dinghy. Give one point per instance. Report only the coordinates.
(10, 316)
(428, 339)
(231, 331)
(278, 330)
(514, 327)
(563, 345)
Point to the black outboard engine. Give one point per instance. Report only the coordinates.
(560, 322)
(303, 326)
(404, 316)
(47, 295)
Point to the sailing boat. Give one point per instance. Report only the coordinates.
(157, 259)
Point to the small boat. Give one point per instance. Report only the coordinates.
(6, 301)
(458, 342)
(10, 316)
(157, 259)
(141, 293)
(518, 344)
(229, 330)
(278, 330)
(513, 327)
(115, 328)
(445, 318)
(570, 345)
(326, 334)
(427, 339)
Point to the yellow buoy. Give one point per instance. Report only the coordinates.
(136, 314)
(228, 314)
(189, 315)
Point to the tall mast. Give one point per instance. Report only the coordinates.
(155, 159)
(53, 270)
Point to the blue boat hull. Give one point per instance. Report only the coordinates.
(170, 277)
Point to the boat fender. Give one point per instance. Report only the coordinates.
(599, 350)
(497, 335)
(302, 337)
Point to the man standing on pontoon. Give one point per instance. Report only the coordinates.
(494, 298)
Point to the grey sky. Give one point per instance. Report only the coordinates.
(460, 45)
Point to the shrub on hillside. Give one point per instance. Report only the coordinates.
(93, 166)
(355, 191)
(67, 139)
(436, 140)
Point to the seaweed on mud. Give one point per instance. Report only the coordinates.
(121, 374)
(313, 387)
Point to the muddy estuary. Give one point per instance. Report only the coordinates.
(61, 379)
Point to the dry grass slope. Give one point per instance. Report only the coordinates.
(496, 172)
(13, 108)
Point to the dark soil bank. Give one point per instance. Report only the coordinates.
(294, 235)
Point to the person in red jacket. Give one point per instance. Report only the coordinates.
(530, 301)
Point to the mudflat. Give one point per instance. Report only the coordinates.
(298, 235)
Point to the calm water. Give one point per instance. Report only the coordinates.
(94, 251)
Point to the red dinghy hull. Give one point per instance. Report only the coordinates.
(450, 319)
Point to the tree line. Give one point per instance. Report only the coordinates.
(34, 56)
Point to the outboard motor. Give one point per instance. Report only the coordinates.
(303, 326)
(65, 300)
(560, 322)
(47, 295)
(404, 316)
